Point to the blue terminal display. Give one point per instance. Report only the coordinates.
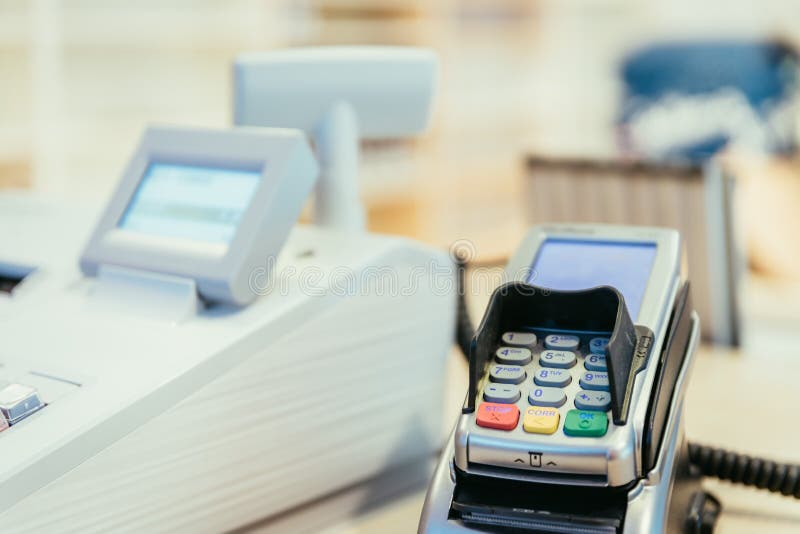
(571, 265)
(192, 202)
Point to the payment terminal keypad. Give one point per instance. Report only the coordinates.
(528, 385)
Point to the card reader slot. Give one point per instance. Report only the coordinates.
(582, 479)
(670, 363)
(499, 503)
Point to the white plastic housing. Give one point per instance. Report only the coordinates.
(389, 88)
(338, 95)
(221, 272)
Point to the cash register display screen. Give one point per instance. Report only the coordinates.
(570, 265)
(192, 202)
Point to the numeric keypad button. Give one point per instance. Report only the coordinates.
(542, 396)
(594, 380)
(519, 339)
(507, 374)
(513, 355)
(595, 362)
(501, 393)
(597, 345)
(562, 342)
(563, 359)
(552, 377)
(593, 400)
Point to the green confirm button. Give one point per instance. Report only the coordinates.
(586, 423)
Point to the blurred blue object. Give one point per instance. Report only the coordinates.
(687, 100)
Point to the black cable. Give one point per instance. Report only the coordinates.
(777, 477)
(464, 329)
(737, 468)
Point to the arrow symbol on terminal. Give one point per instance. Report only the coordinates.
(519, 461)
(551, 462)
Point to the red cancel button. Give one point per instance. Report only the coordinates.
(499, 416)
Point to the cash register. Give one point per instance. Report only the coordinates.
(188, 358)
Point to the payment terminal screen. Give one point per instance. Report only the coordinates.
(190, 202)
(569, 265)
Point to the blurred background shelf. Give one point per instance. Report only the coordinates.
(81, 78)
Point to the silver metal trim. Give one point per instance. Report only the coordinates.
(648, 506)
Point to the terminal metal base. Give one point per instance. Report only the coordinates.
(670, 501)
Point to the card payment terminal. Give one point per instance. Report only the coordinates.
(573, 420)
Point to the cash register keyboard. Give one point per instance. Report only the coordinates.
(527, 381)
(23, 394)
(17, 401)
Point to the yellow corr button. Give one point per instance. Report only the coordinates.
(541, 420)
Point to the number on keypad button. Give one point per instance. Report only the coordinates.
(519, 339)
(501, 393)
(507, 374)
(593, 400)
(562, 342)
(513, 355)
(595, 362)
(594, 380)
(563, 359)
(552, 377)
(597, 345)
(553, 397)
